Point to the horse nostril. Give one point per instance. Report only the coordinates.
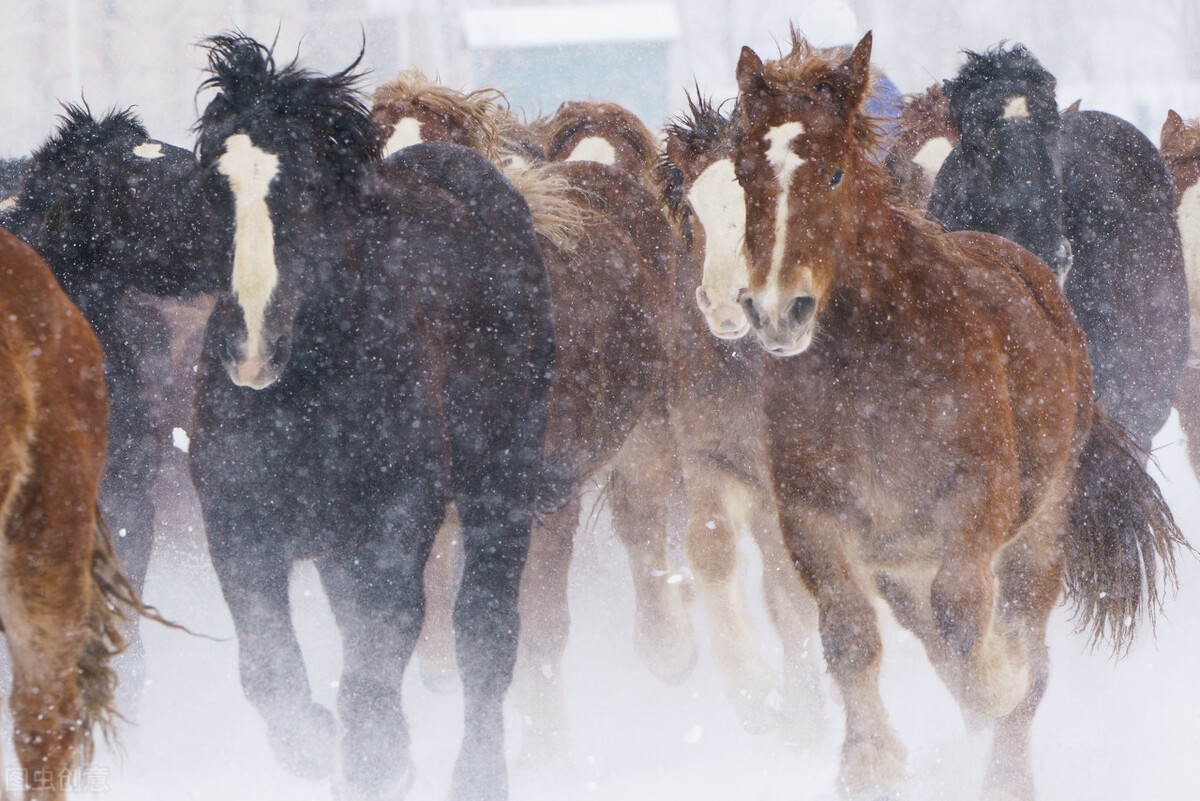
(702, 299)
(751, 313)
(802, 309)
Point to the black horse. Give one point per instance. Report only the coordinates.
(387, 329)
(107, 207)
(1091, 179)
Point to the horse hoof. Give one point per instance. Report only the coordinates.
(396, 791)
(760, 713)
(307, 744)
(439, 676)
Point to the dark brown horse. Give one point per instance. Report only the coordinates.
(933, 436)
(61, 591)
(1180, 148)
(925, 135)
(612, 273)
(606, 133)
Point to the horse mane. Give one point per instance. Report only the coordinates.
(575, 115)
(248, 82)
(1001, 73)
(474, 112)
(813, 71)
(81, 134)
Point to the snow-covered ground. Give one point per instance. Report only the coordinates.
(1105, 732)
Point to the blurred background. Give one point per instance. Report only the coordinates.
(1135, 59)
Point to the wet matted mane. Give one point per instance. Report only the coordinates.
(469, 119)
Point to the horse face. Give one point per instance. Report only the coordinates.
(795, 163)
(718, 206)
(269, 210)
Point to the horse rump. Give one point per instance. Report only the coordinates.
(1122, 539)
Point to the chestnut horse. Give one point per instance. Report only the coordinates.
(62, 594)
(611, 273)
(924, 137)
(933, 437)
(717, 419)
(1180, 148)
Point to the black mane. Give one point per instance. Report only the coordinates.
(701, 128)
(978, 94)
(253, 90)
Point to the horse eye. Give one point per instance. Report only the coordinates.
(836, 179)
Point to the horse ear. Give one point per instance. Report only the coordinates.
(1172, 128)
(750, 72)
(859, 68)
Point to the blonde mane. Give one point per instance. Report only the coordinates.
(473, 112)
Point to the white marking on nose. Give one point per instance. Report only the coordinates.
(594, 148)
(250, 171)
(932, 155)
(404, 133)
(786, 162)
(719, 204)
(8, 203)
(1016, 108)
(149, 150)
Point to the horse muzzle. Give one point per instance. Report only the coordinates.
(785, 327)
(725, 317)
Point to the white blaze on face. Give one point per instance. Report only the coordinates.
(149, 150)
(406, 132)
(1188, 217)
(594, 148)
(785, 162)
(250, 171)
(1016, 108)
(719, 204)
(932, 155)
(8, 203)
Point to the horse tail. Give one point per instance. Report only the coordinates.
(1122, 541)
(114, 604)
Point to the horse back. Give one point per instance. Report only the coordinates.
(53, 404)
(1128, 286)
(487, 297)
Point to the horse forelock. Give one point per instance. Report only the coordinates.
(254, 94)
(622, 124)
(703, 130)
(82, 137)
(1013, 77)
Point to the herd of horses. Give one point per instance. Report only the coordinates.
(435, 325)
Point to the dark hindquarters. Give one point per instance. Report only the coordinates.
(497, 327)
(1127, 286)
(1122, 541)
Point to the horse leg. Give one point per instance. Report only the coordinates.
(1030, 582)
(719, 506)
(1187, 403)
(377, 597)
(254, 581)
(545, 622)
(435, 648)
(793, 612)
(44, 597)
(642, 478)
(872, 764)
(495, 536)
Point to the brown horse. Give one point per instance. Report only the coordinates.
(611, 275)
(606, 133)
(717, 419)
(933, 437)
(925, 135)
(61, 591)
(1180, 148)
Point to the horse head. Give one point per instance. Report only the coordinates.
(801, 162)
(412, 108)
(281, 150)
(1008, 179)
(109, 208)
(704, 196)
